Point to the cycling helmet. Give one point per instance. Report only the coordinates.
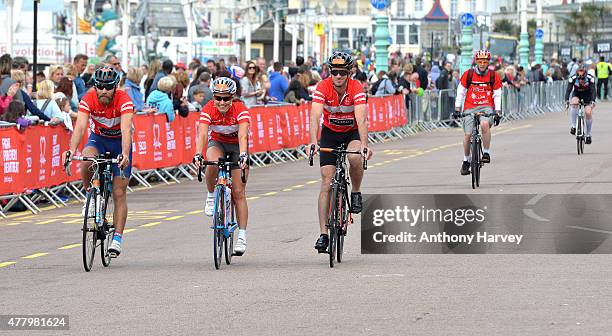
(340, 59)
(106, 76)
(480, 54)
(223, 85)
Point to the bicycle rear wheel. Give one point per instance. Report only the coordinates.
(229, 241)
(90, 235)
(108, 230)
(218, 222)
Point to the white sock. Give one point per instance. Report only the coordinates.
(486, 151)
(211, 194)
(466, 158)
(242, 234)
(573, 115)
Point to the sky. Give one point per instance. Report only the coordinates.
(43, 5)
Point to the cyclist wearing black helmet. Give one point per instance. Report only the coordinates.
(581, 86)
(342, 102)
(109, 113)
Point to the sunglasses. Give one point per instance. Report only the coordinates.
(106, 87)
(225, 99)
(252, 67)
(339, 73)
(115, 64)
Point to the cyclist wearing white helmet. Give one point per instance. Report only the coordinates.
(228, 121)
(342, 102)
(479, 92)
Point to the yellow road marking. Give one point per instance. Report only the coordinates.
(173, 218)
(35, 255)
(287, 189)
(298, 186)
(396, 159)
(313, 182)
(379, 164)
(47, 221)
(271, 193)
(388, 161)
(252, 198)
(150, 224)
(195, 212)
(13, 224)
(67, 247)
(7, 263)
(128, 231)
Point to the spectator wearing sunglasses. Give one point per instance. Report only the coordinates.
(160, 100)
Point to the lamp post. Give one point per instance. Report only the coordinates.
(381, 35)
(524, 42)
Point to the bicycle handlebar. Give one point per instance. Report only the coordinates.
(220, 164)
(96, 159)
(340, 151)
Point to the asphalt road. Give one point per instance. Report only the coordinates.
(164, 283)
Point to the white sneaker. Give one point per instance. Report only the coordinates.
(241, 243)
(210, 205)
(114, 249)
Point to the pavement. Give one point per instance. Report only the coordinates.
(164, 282)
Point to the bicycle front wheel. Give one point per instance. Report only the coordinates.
(580, 135)
(343, 226)
(475, 164)
(108, 229)
(229, 241)
(332, 224)
(218, 223)
(90, 234)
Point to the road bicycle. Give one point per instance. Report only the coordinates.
(476, 163)
(96, 225)
(224, 216)
(339, 202)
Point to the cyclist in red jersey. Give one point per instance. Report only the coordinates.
(228, 123)
(479, 92)
(109, 112)
(342, 102)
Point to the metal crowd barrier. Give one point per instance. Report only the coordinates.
(425, 113)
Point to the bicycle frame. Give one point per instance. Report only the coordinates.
(224, 184)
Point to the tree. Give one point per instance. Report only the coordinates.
(582, 25)
(505, 26)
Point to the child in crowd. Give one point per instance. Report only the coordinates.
(160, 98)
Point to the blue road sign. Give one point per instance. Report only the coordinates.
(380, 4)
(539, 33)
(467, 19)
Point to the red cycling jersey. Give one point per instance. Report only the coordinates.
(105, 120)
(480, 92)
(224, 127)
(339, 113)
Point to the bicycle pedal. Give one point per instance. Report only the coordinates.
(113, 255)
(237, 254)
(323, 251)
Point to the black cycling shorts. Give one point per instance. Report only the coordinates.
(227, 148)
(585, 97)
(331, 139)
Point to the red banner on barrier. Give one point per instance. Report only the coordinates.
(189, 128)
(142, 143)
(258, 139)
(11, 161)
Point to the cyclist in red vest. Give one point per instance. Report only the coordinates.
(479, 92)
(109, 113)
(342, 102)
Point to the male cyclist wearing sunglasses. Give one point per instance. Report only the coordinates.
(479, 92)
(109, 112)
(342, 102)
(228, 121)
(581, 86)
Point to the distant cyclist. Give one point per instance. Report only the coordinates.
(581, 86)
(228, 122)
(109, 113)
(342, 102)
(479, 92)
